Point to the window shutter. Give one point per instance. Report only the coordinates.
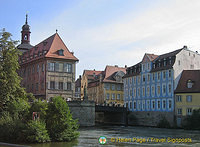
(65, 86)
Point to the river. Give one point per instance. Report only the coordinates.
(130, 136)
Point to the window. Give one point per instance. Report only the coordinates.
(143, 91)
(107, 86)
(108, 96)
(143, 78)
(134, 92)
(148, 104)
(134, 80)
(56, 66)
(130, 92)
(43, 67)
(152, 90)
(60, 52)
(189, 98)
(130, 105)
(169, 73)
(118, 87)
(138, 92)
(189, 84)
(164, 89)
(113, 87)
(52, 84)
(170, 104)
(139, 105)
(51, 66)
(148, 91)
(153, 76)
(189, 111)
(67, 67)
(38, 67)
(33, 69)
(158, 104)
(153, 104)
(138, 79)
(158, 90)
(148, 77)
(143, 105)
(69, 86)
(113, 96)
(36, 87)
(134, 105)
(148, 66)
(179, 111)
(169, 88)
(118, 96)
(130, 81)
(60, 86)
(158, 75)
(60, 68)
(192, 66)
(164, 104)
(164, 74)
(178, 98)
(179, 62)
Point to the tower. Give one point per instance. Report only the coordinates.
(25, 37)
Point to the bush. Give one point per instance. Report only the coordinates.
(36, 132)
(163, 123)
(12, 128)
(192, 122)
(60, 125)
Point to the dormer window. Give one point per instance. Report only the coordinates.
(60, 52)
(189, 84)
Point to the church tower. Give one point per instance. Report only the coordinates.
(25, 37)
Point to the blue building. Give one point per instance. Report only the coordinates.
(149, 85)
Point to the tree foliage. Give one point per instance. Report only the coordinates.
(60, 125)
(10, 88)
(192, 122)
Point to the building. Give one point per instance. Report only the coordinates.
(107, 87)
(187, 95)
(48, 68)
(149, 85)
(78, 88)
(88, 76)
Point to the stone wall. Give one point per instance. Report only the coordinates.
(84, 111)
(150, 118)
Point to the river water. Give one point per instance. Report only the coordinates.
(130, 136)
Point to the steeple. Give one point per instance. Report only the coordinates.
(25, 32)
(25, 37)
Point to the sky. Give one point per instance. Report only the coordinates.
(107, 32)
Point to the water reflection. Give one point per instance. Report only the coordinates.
(89, 137)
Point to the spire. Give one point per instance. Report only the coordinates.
(26, 18)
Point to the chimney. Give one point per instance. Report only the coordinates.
(185, 47)
(116, 65)
(72, 53)
(197, 52)
(94, 69)
(80, 77)
(125, 66)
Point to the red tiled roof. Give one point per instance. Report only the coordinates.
(110, 70)
(151, 56)
(91, 72)
(49, 48)
(194, 76)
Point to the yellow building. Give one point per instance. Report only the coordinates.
(187, 95)
(107, 87)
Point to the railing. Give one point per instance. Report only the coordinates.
(99, 108)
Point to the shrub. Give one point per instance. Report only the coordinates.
(36, 132)
(60, 125)
(163, 123)
(192, 122)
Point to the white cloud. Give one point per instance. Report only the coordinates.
(160, 28)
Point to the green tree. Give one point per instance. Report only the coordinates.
(10, 89)
(39, 106)
(60, 125)
(192, 122)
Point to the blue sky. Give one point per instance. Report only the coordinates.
(108, 32)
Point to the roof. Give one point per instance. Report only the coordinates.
(151, 56)
(78, 82)
(194, 76)
(49, 48)
(110, 71)
(170, 54)
(91, 72)
(25, 46)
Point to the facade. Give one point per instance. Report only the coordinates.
(187, 95)
(107, 87)
(78, 89)
(48, 68)
(88, 76)
(150, 84)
